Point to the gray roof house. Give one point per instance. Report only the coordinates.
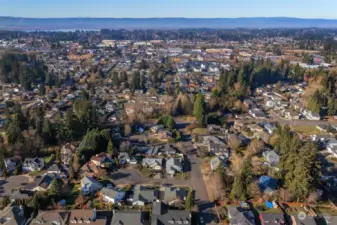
(128, 217)
(170, 194)
(33, 164)
(113, 195)
(161, 215)
(238, 215)
(153, 163)
(59, 217)
(144, 195)
(13, 215)
(218, 149)
(174, 165)
(217, 161)
(89, 185)
(272, 157)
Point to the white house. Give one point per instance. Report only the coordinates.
(112, 195)
(33, 164)
(311, 115)
(332, 147)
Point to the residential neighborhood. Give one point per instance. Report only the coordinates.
(145, 127)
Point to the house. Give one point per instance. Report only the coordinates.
(102, 160)
(59, 217)
(67, 153)
(161, 215)
(218, 149)
(33, 164)
(269, 128)
(88, 216)
(256, 113)
(55, 169)
(166, 149)
(164, 134)
(143, 195)
(311, 115)
(332, 147)
(12, 162)
(291, 115)
(112, 195)
(153, 163)
(156, 128)
(173, 166)
(272, 219)
(255, 128)
(238, 215)
(171, 194)
(126, 217)
(217, 161)
(20, 196)
(89, 185)
(271, 157)
(249, 104)
(124, 158)
(44, 183)
(13, 215)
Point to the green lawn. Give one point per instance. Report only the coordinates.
(48, 159)
(305, 130)
(146, 172)
(36, 173)
(200, 131)
(182, 176)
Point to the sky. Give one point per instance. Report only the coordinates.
(169, 8)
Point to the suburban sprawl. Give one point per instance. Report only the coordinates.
(165, 127)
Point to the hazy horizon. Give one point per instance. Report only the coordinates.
(324, 9)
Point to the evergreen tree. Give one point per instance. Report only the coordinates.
(242, 181)
(42, 89)
(331, 107)
(198, 109)
(55, 188)
(189, 200)
(110, 148)
(58, 155)
(2, 162)
(170, 123)
(116, 79)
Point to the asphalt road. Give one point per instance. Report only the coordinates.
(300, 122)
(198, 184)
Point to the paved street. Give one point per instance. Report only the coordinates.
(198, 184)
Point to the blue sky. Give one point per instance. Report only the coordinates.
(169, 8)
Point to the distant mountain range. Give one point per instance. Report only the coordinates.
(29, 24)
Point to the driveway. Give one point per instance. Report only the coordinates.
(198, 184)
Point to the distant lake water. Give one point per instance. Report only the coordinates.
(64, 30)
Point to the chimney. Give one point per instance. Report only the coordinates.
(94, 215)
(21, 211)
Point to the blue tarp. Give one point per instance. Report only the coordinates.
(267, 182)
(269, 205)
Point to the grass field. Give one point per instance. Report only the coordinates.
(305, 130)
(200, 131)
